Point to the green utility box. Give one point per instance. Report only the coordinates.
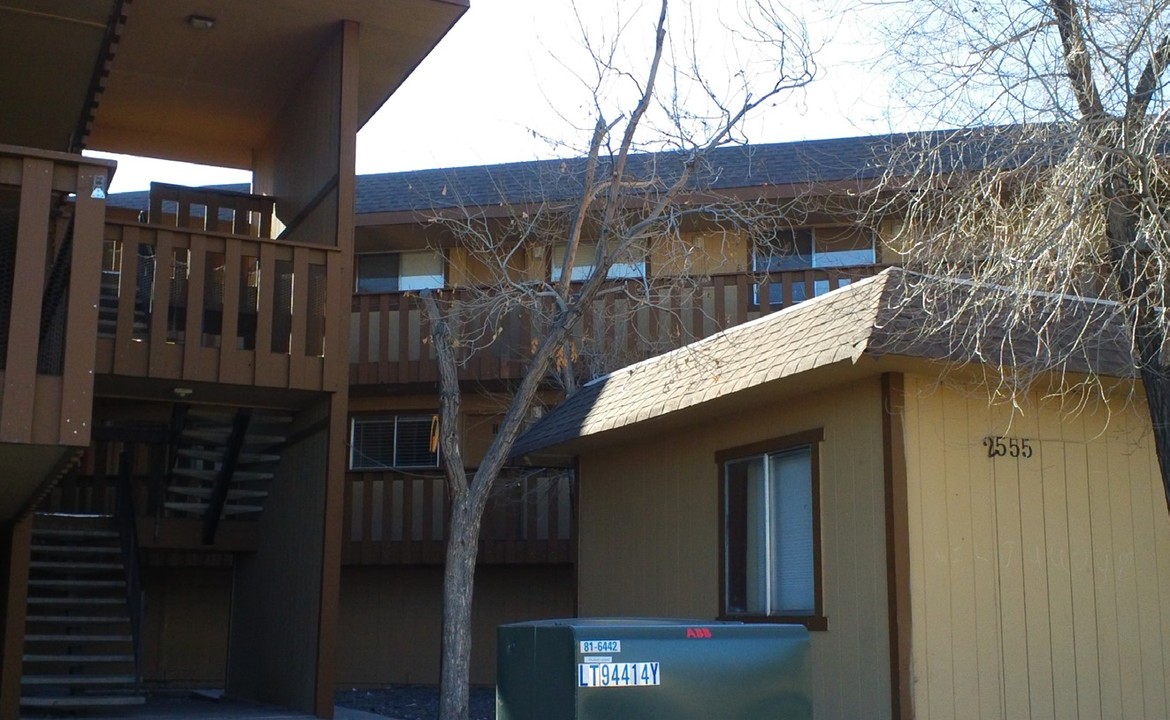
(644, 669)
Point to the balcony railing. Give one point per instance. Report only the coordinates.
(390, 339)
(196, 304)
(397, 518)
(52, 208)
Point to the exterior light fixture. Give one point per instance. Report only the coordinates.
(201, 22)
(183, 392)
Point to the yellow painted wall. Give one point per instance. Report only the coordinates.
(1040, 586)
(700, 252)
(649, 533)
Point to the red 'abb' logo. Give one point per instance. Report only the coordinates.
(698, 632)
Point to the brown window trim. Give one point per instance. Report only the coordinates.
(817, 621)
(814, 623)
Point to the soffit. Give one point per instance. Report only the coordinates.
(178, 93)
(212, 95)
(48, 49)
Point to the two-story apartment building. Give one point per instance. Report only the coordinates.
(176, 391)
(410, 236)
(713, 275)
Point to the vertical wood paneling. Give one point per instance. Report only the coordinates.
(161, 307)
(193, 367)
(124, 345)
(1124, 581)
(232, 367)
(1071, 619)
(32, 237)
(1054, 482)
(1084, 605)
(1152, 623)
(957, 482)
(84, 288)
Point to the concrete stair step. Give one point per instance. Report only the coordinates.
(82, 701)
(214, 456)
(73, 534)
(79, 619)
(77, 549)
(62, 565)
(75, 584)
(220, 436)
(198, 507)
(77, 680)
(210, 475)
(78, 638)
(205, 492)
(77, 658)
(86, 600)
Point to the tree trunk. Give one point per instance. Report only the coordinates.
(458, 583)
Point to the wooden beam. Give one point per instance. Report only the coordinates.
(897, 546)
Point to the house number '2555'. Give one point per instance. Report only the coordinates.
(1000, 445)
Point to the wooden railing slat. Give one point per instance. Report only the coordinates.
(618, 324)
(127, 294)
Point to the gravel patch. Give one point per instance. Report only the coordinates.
(414, 702)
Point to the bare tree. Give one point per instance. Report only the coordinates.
(1055, 186)
(596, 216)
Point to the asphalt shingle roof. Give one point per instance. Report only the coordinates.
(874, 316)
(731, 167)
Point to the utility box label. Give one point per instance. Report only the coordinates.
(599, 647)
(632, 674)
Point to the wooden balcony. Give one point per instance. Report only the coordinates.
(399, 518)
(390, 341)
(52, 208)
(203, 295)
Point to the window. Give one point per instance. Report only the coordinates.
(770, 565)
(380, 442)
(397, 271)
(634, 267)
(804, 248)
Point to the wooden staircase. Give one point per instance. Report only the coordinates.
(224, 463)
(79, 650)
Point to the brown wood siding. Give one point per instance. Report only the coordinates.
(649, 540)
(391, 617)
(388, 621)
(276, 606)
(400, 518)
(299, 161)
(185, 632)
(1040, 583)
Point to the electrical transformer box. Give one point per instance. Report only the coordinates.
(645, 669)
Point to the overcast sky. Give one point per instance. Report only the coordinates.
(506, 69)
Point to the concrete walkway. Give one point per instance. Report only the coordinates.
(210, 706)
